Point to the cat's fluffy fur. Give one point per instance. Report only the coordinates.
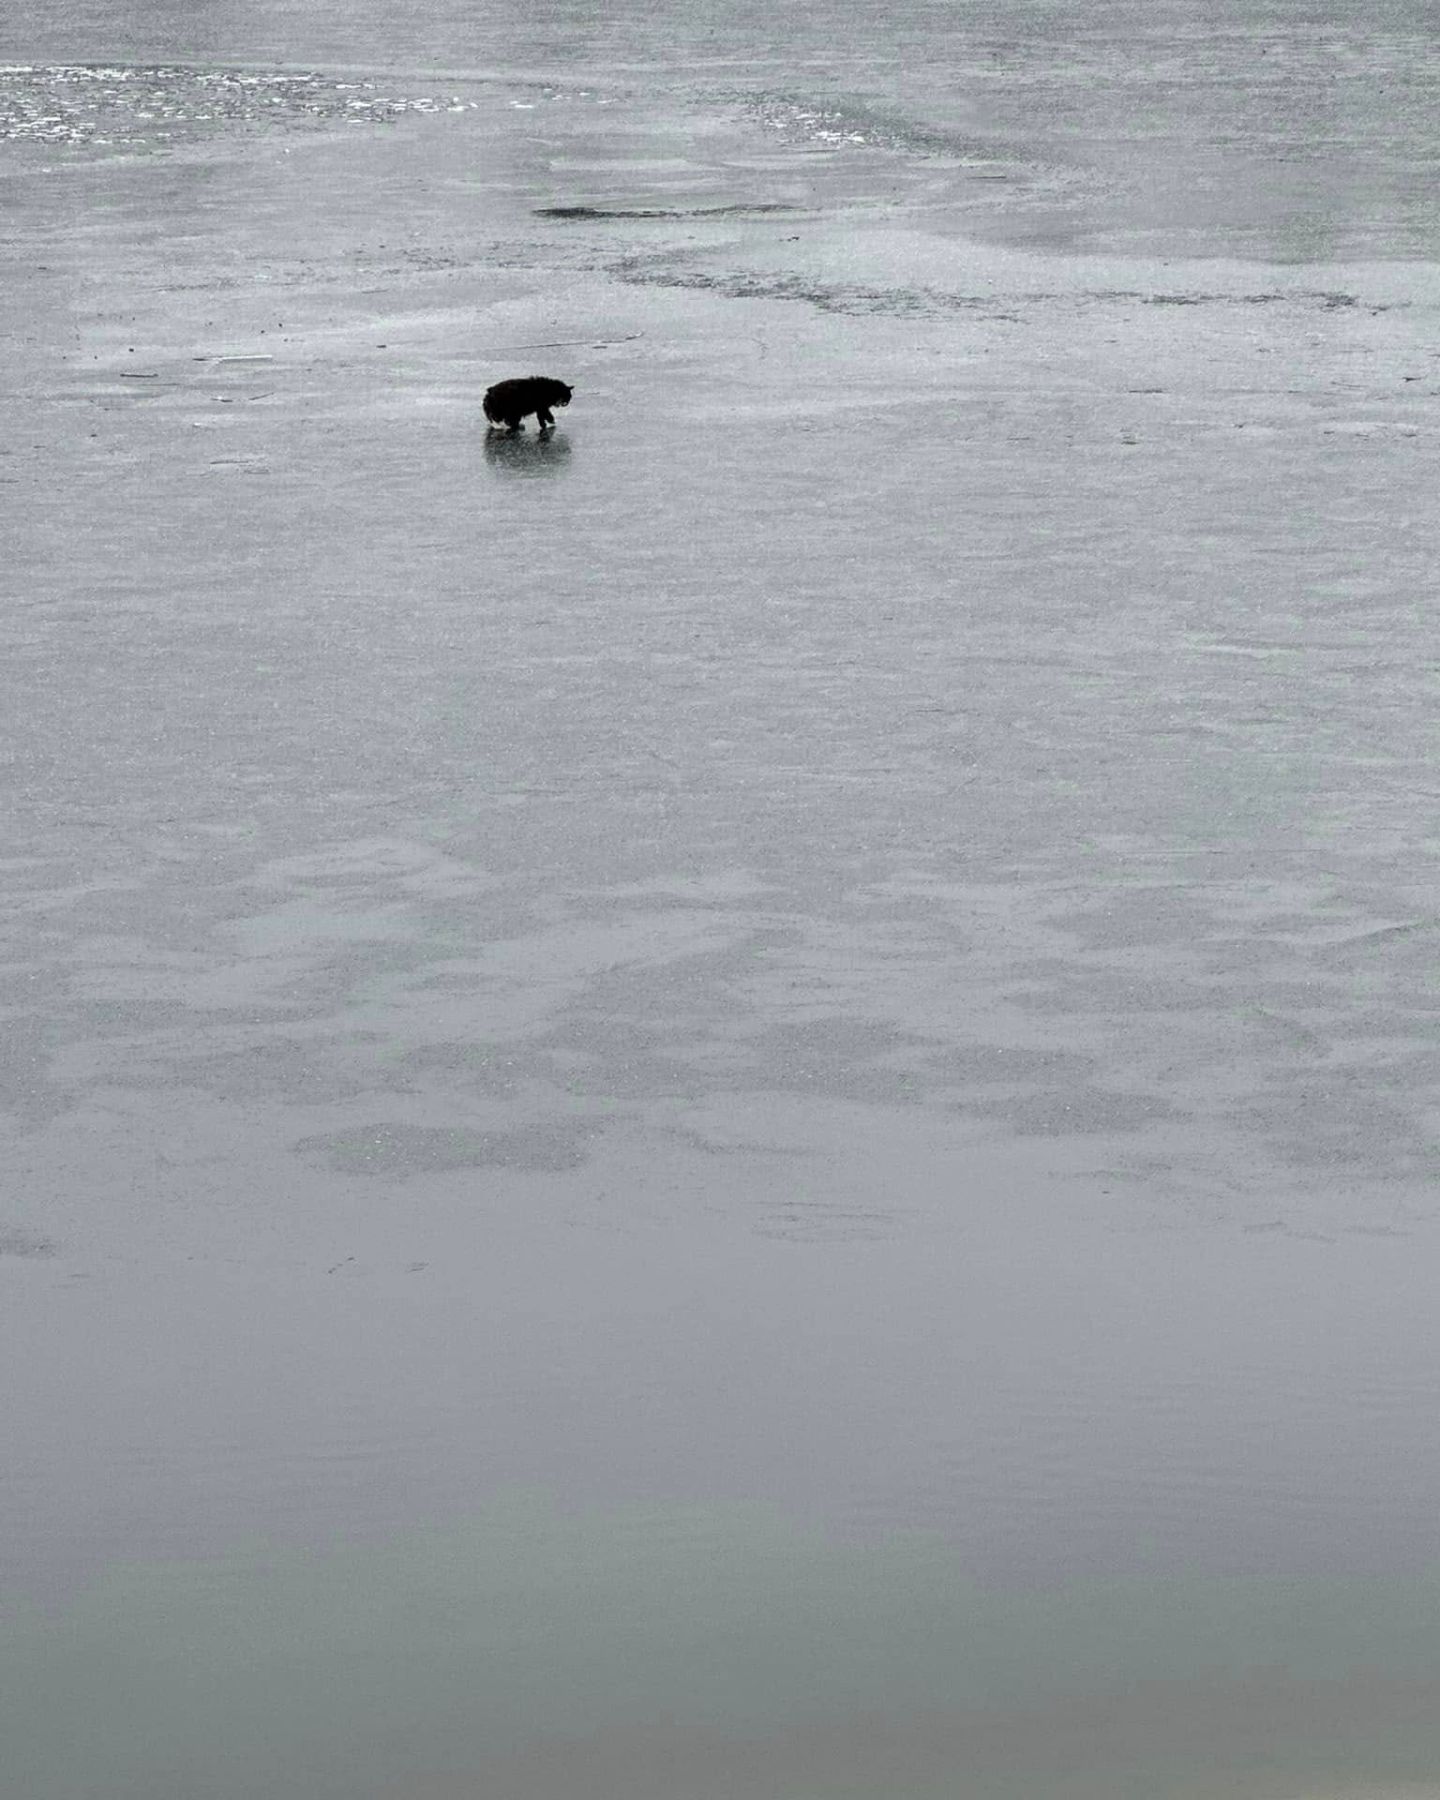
(508, 402)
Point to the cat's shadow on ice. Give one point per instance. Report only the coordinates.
(521, 453)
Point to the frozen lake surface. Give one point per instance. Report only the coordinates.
(739, 1106)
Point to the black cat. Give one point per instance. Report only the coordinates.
(508, 402)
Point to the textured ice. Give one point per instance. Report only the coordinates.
(740, 1102)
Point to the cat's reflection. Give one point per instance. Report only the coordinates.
(518, 453)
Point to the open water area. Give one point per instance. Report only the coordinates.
(740, 1105)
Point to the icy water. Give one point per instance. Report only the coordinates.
(740, 1106)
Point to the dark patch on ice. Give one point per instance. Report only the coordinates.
(739, 210)
(28, 1091)
(832, 297)
(499, 1069)
(994, 1065)
(17, 1242)
(290, 1071)
(857, 298)
(399, 1151)
(1329, 1118)
(862, 1060)
(837, 1038)
(600, 1058)
(1329, 302)
(610, 1059)
(708, 1145)
(1074, 1111)
(807, 1221)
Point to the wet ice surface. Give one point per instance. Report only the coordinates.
(150, 108)
(739, 1103)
